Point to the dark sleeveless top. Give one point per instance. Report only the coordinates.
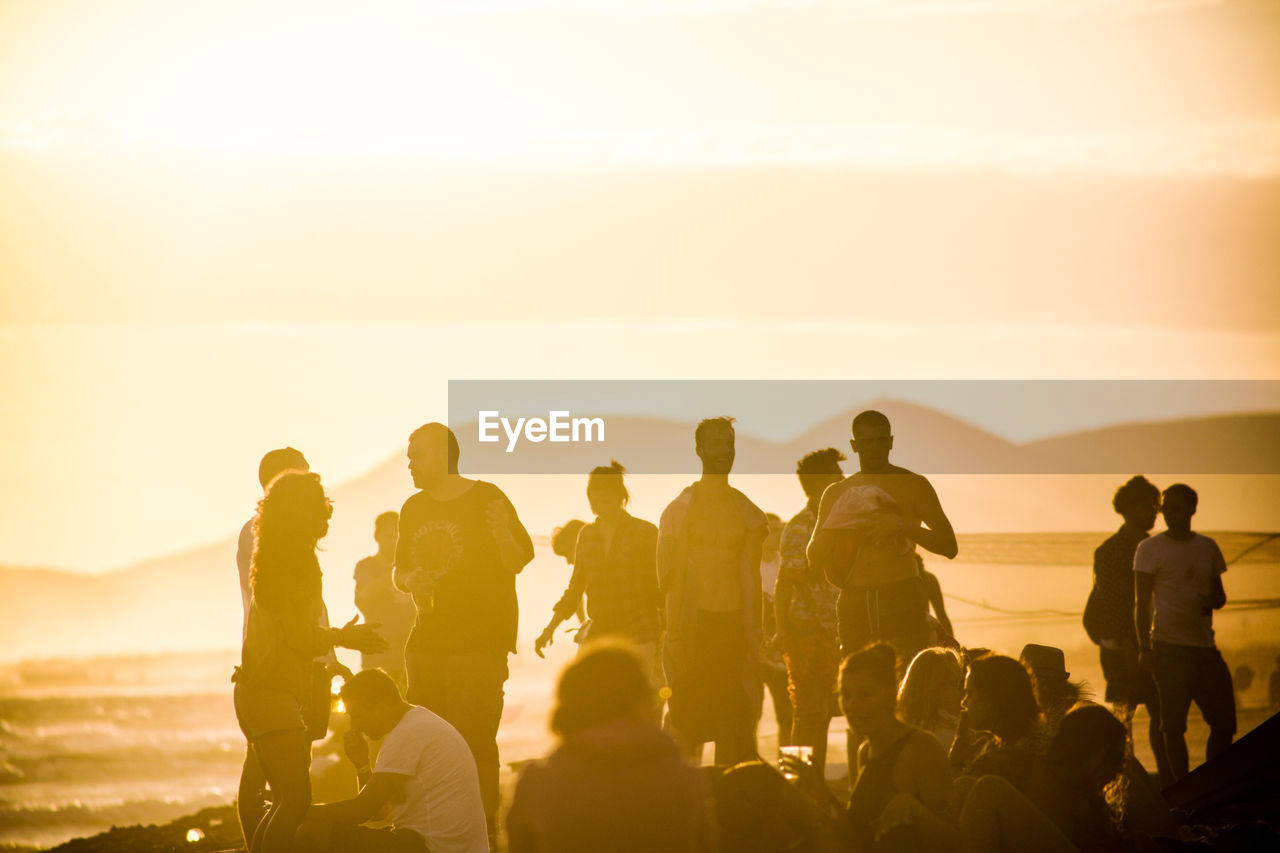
(872, 792)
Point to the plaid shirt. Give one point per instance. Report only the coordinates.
(814, 600)
(1113, 584)
(621, 584)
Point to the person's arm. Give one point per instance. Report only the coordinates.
(926, 802)
(754, 555)
(1144, 584)
(381, 790)
(935, 533)
(404, 566)
(828, 550)
(937, 602)
(793, 569)
(1217, 592)
(515, 546)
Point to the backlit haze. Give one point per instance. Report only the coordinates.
(226, 228)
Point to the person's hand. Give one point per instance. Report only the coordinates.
(356, 748)
(544, 639)
(498, 519)
(902, 810)
(337, 667)
(807, 777)
(361, 638)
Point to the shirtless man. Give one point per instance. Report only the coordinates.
(882, 596)
(709, 546)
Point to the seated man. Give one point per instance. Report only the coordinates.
(424, 779)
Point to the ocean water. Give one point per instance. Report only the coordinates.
(88, 744)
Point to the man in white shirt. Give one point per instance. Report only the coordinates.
(1182, 572)
(424, 781)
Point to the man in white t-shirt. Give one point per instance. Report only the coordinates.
(1182, 572)
(424, 781)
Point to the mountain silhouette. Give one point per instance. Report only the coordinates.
(191, 600)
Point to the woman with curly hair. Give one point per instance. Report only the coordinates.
(1081, 786)
(287, 628)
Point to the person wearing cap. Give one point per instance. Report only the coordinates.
(1055, 693)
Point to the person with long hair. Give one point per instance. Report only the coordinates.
(283, 635)
(931, 692)
(1081, 786)
(1001, 732)
(901, 798)
(614, 566)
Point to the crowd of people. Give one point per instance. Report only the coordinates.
(683, 624)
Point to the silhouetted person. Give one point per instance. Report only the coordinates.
(381, 603)
(709, 543)
(250, 798)
(460, 548)
(1180, 572)
(901, 798)
(758, 811)
(616, 783)
(868, 527)
(1078, 785)
(1109, 614)
(1055, 692)
(424, 781)
(1000, 731)
(805, 607)
(930, 695)
(614, 567)
(276, 680)
(772, 667)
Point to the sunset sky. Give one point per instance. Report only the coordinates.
(230, 226)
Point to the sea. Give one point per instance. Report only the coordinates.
(90, 743)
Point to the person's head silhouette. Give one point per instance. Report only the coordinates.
(433, 454)
(608, 682)
(1138, 502)
(819, 469)
(277, 461)
(714, 443)
(872, 440)
(606, 492)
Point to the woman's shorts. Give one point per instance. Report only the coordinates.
(263, 710)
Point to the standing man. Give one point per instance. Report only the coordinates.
(461, 546)
(709, 544)
(1182, 571)
(806, 612)
(1110, 613)
(871, 554)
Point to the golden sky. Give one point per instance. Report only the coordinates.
(228, 226)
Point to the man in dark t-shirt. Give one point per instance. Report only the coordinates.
(460, 548)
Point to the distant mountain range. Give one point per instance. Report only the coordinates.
(191, 600)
